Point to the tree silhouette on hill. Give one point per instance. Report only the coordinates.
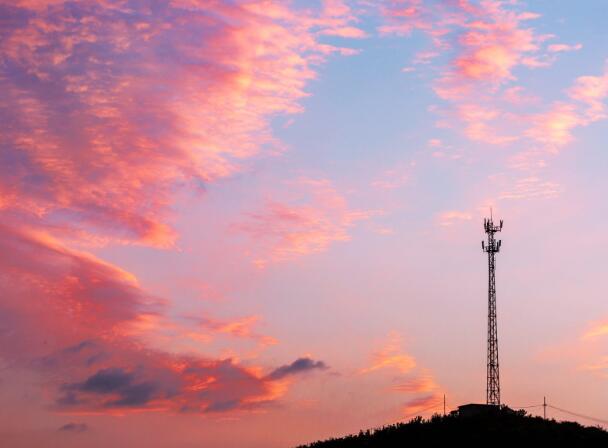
(505, 426)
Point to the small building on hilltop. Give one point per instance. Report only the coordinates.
(474, 409)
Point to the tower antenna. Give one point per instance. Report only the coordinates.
(492, 247)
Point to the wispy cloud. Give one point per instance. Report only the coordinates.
(391, 357)
(421, 384)
(92, 362)
(108, 108)
(597, 330)
(487, 40)
(240, 328)
(122, 106)
(532, 187)
(484, 45)
(427, 404)
(559, 48)
(309, 221)
(449, 218)
(408, 377)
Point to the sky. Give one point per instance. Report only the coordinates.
(258, 223)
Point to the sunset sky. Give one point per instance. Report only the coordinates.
(258, 223)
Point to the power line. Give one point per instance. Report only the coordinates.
(531, 406)
(576, 414)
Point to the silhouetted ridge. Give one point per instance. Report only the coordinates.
(502, 427)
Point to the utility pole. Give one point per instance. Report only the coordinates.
(444, 405)
(545, 408)
(491, 248)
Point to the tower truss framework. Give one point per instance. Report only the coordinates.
(492, 247)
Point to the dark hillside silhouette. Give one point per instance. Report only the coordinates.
(503, 427)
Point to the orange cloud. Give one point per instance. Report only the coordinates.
(428, 404)
(421, 384)
(390, 356)
(122, 107)
(410, 379)
(600, 367)
(197, 335)
(597, 330)
(240, 328)
(77, 322)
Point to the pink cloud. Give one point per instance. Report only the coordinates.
(339, 20)
(346, 31)
(85, 296)
(532, 187)
(108, 110)
(122, 106)
(64, 314)
(442, 150)
(493, 46)
(488, 40)
(592, 91)
(530, 160)
(481, 124)
(404, 17)
(554, 127)
(393, 178)
(425, 57)
(485, 43)
(559, 48)
(519, 97)
(449, 218)
(315, 216)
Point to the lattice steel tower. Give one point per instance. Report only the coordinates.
(493, 378)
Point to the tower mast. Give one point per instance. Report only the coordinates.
(491, 248)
